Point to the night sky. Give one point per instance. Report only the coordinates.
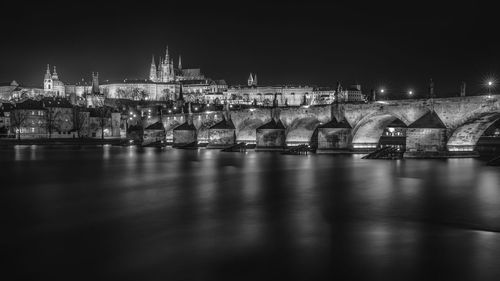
(397, 47)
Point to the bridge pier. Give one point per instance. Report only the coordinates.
(334, 137)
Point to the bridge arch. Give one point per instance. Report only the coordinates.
(367, 132)
(466, 136)
(246, 130)
(301, 130)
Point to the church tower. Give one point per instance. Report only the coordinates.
(250, 80)
(180, 63)
(152, 70)
(95, 83)
(431, 89)
(47, 80)
(54, 74)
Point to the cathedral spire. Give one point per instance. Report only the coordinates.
(167, 56)
(47, 72)
(152, 69)
(180, 62)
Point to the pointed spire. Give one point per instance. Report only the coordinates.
(167, 56)
(47, 72)
(250, 80)
(255, 79)
(152, 69)
(180, 62)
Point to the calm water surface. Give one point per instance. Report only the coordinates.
(114, 213)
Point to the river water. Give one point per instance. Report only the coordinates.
(125, 213)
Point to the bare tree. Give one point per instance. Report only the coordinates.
(50, 123)
(17, 120)
(80, 118)
(103, 118)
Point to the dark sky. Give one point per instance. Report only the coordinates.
(397, 46)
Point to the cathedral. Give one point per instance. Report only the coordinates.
(52, 84)
(165, 71)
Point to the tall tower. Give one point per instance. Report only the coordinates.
(255, 80)
(47, 80)
(95, 83)
(180, 62)
(462, 89)
(54, 74)
(431, 89)
(152, 69)
(250, 80)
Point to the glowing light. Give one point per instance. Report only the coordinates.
(410, 92)
(382, 90)
(490, 83)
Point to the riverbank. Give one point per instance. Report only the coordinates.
(76, 141)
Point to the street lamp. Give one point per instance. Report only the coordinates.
(490, 85)
(410, 93)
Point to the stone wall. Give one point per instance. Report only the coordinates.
(271, 138)
(220, 138)
(334, 138)
(418, 139)
(181, 137)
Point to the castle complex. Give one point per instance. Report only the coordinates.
(170, 81)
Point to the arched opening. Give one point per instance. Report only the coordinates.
(367, 134)
(467, 136)
(489, 142)
(394, 135)
(301, 131)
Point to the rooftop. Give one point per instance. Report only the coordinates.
(224, 124)
(335, 124)
(155, 126)
(185, 127)
(430, 120)
(272, 125)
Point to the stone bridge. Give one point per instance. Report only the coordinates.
(466, 119)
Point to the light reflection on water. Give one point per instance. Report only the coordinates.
(139, 213)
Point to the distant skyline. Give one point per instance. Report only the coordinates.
(397, 47)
